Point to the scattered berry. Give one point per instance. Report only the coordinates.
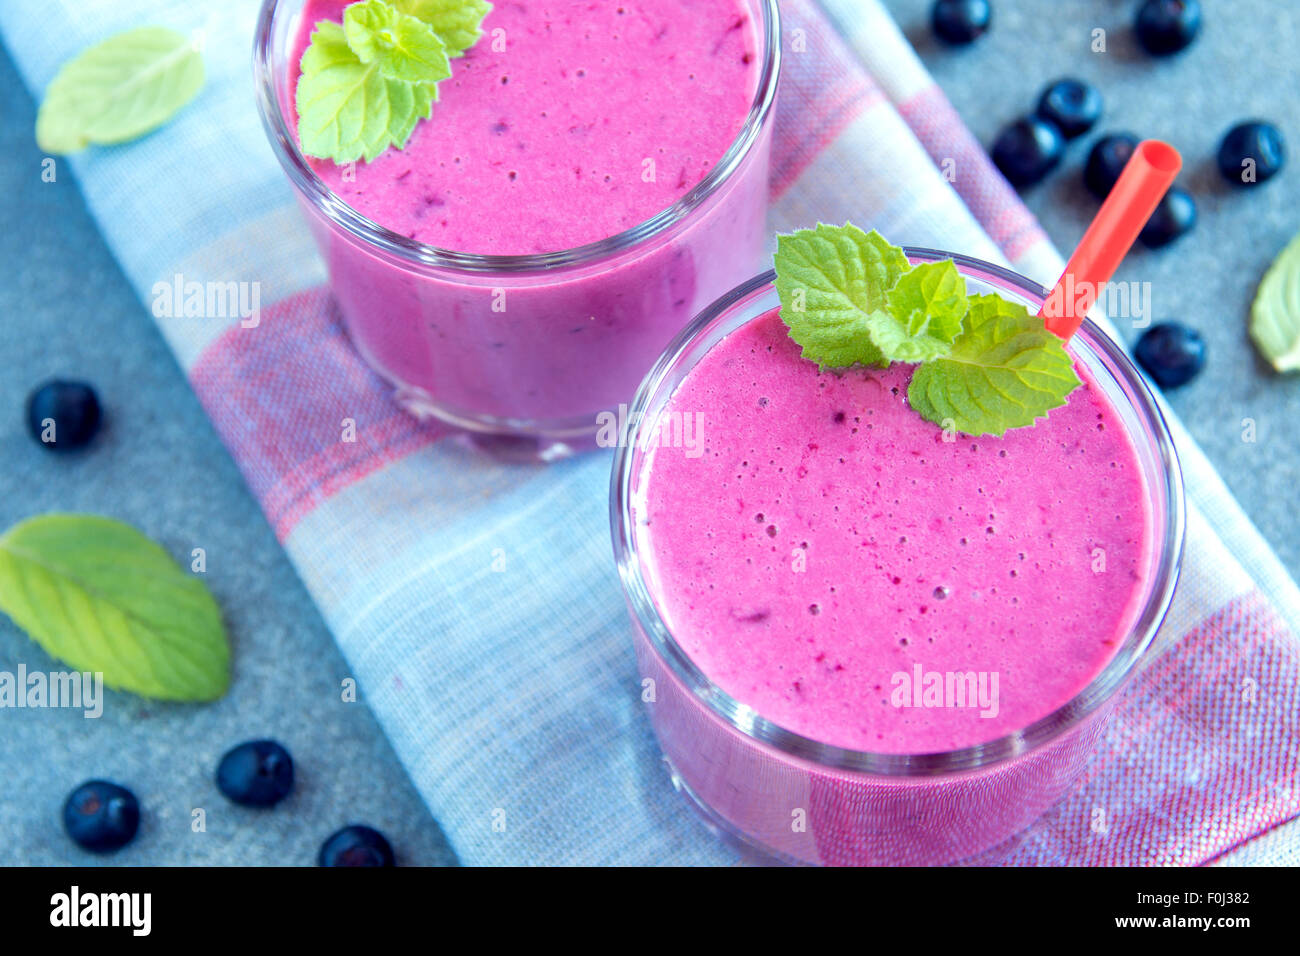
(958, 22)
(356, 845)
(1073, 105)
(1173, 217)
(101, 816)
(1171, 353)
(1106, 161)
(1167, 26)
(63, 415)
(257, 773)
(1028, 150)
(1251, 153)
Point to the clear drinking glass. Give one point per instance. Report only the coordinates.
(580, 327)
(747, 775)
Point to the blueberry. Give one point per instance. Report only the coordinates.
(1171, 353)
(958, 22)
(257, 773)
(1073, 105)
(63, 415)
(1256, 141)
(1174, 216)
(356, 845)
(1028, 150)
(1106, 161)
(101, 816)
(1167, 26)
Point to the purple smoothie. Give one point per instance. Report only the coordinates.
(568, 123)
(828, 540)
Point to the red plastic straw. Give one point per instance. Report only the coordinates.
(1143, 183)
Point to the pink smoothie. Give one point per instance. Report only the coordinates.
(569, 122)
(541, 145)
(828, 540)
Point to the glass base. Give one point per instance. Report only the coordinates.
(751, 851)
(509, 441)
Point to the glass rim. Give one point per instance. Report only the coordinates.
(314, 189)
(747, 721)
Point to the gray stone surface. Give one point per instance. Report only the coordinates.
(1243, 66)
(66, 310)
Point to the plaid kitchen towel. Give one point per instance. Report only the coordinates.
(477, 602)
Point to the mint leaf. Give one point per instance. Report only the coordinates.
(403, 47)
(350, 110)
(100, 596)
(457, 22)
(119, 90)
(923, 314)
(1275, 313)
(1004, 371)
(830, 279)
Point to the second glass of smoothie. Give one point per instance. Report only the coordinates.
(592, 175)
(866, 639)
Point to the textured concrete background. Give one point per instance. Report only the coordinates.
(66, 310)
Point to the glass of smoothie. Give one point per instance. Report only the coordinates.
(863, 639)
(592, 175)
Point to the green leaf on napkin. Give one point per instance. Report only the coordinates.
(1275, 314)
(102, 597)
(1004, 371)
(119, 90)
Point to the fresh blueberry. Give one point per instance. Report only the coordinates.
(1073, 105)
(257, 773)
(1106, 161)
(356, 845)
(1167, 26)
(1251, 153)
(101, 816)
(1028, 150)
(1174, 216)
(958, 22)
(63, 415)
(1171, 353)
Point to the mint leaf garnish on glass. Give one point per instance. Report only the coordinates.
(1004, 371)
(366, 83)
(923, 314)
(457, 22)
(984, 364)
(400, 46)
(119, 90)
(101, 597)
(830, 280)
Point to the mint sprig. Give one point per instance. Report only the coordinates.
(923, 314)
(985, 365)
(367, 82)
(830, 280)
(1004, 371)
(456, 22)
